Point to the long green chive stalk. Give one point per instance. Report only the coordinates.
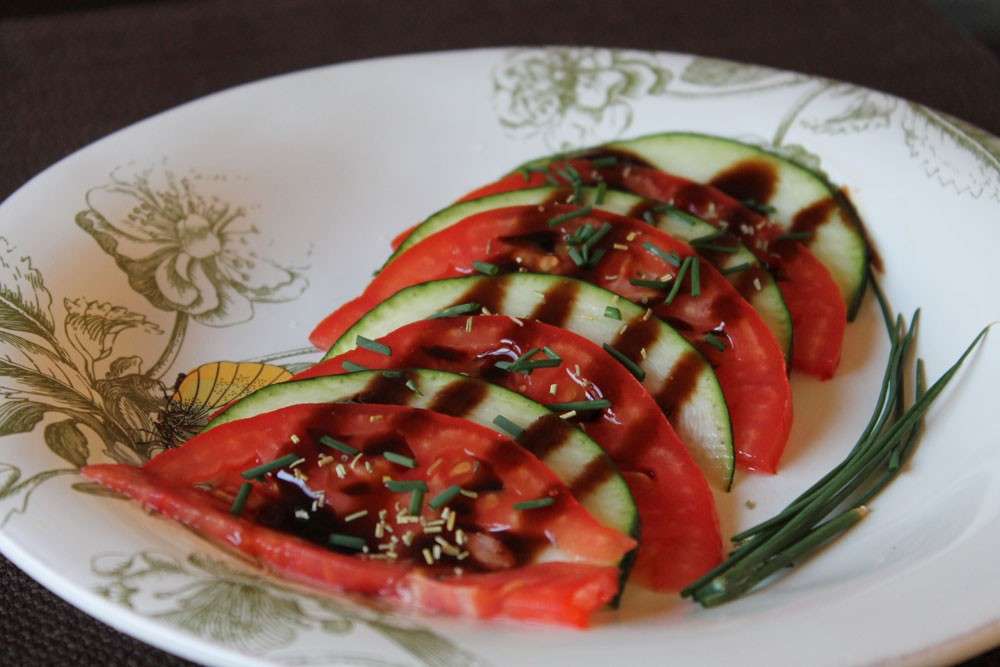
(839, 499)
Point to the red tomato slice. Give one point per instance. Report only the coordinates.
(819, 314)
(398, 239)
(554, 592)
(680, 531)
(488, 533)
(725, 328)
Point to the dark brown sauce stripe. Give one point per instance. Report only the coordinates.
(487, 292)
(639, 335)
(749, 179)
(680, 384)
(809, 219)
(592, 476)
(636, 441)
(639, 210)
(557, 304)
(459, 398)
(545, 435)
(746, 281)
(387, 390)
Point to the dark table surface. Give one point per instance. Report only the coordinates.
(71, 72)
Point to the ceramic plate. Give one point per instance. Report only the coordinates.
(112, 281)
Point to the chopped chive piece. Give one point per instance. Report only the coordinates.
(715, 341)
(270, 466)
(352, 367)
(626, 362)
(581, 234)
(535, 504)
(612, 313)
(685, 265)
(445, 497)
(760, 207)
(602, 189)
(349, 541)
(341, 447)
(412, 386)
(486, 268)
(594, 238)
(404, 461)
(596, 257)
(574, 254)
(644, 282)
(736, 269)
(570, 173)
(525, 364)
(416, 502)
(240, 501)
(601, 162)
(795, 236)
(460, 309)
(373, 346)
(395, 375)
(668, 257)
(406, 485)
(695, 277)
(508, 427)
(581, 406)
(559, 219)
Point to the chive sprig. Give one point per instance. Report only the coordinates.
(839, 500)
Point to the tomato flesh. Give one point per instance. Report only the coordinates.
(819, 314)
(680, 530)
(284, 528)
(747, 359)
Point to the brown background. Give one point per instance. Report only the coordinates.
(71, 72)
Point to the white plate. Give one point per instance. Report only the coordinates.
(320, 169)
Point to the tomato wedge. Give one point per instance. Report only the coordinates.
(819, 314)
(680, 530)
(477, 553)
(627, 259)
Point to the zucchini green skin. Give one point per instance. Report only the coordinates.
(767, 300)
(839, 243)
(702, 420)
(610, 502)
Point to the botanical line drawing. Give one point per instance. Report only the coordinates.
(577, 96)
(201, 258)
(212, 599)
(570, 96)
(187, 252)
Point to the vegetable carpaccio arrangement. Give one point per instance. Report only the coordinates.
(534, 398)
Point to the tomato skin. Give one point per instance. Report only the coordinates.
(401, 237)
(751, 368)
(559, 593)
(680, 532)
(283, 554)
(813, 298)
(578, 590)
(217, 457)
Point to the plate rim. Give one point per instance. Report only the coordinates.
(959, 646)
